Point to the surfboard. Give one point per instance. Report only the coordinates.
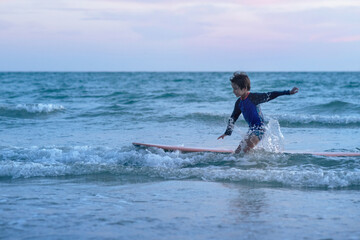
(182, 149)
(214, 150)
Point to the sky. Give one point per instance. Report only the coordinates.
(186, 35)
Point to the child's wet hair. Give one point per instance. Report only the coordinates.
(241, 79)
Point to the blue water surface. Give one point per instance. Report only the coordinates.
(68, 169)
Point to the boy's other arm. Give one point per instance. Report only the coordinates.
(234, 116)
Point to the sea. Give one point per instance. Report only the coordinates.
(69, 170)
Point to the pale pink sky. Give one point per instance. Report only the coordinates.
(159, 35)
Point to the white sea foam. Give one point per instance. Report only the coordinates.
(40, 107)
(29, 110)
(261, 167)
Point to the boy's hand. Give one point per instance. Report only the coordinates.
(222, 136)
(294, 90)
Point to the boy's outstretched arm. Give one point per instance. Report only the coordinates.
(294, 90)
(258, 98)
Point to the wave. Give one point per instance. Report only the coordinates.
(285, 120)
(29, 110)
(314, 120)
(292, 170)
(333, 107)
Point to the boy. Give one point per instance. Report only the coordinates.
(248, 105)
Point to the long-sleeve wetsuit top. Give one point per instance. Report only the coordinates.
(250, 108)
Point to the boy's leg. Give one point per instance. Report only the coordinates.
(248, 143)
(251, 142)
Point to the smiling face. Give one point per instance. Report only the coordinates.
(239, 92)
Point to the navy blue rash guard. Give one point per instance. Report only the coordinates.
(251, 111)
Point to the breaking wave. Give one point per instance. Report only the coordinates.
(29, 110)
(315, 120)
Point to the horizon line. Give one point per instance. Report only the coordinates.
(164, 71)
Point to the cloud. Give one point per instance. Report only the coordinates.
(190, 27)
(346, 39)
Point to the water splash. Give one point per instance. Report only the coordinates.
(273, 140)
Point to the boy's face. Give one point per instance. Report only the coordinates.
(237, 91)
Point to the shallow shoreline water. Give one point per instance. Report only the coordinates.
(105, 209)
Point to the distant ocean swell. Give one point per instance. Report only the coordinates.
(285, 120)
(292, 170)
(334, 107)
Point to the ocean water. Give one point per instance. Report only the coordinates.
(68, 169)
